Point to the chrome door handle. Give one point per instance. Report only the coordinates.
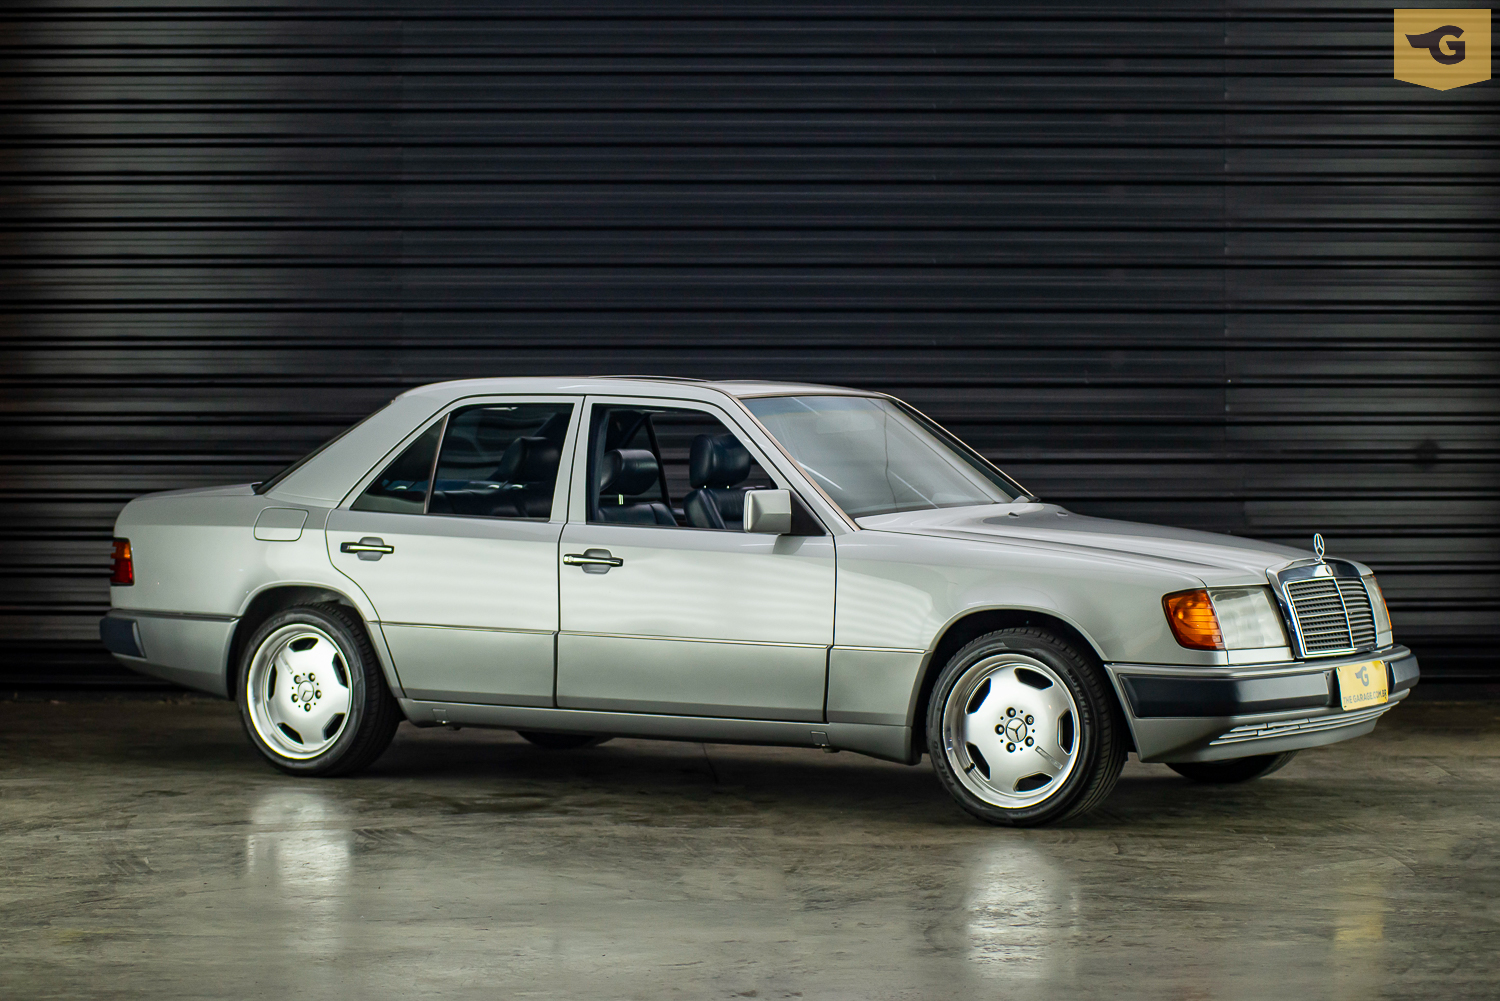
(368, 548)
(593, 560)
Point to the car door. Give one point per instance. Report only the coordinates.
(661, 616)
(456, 547)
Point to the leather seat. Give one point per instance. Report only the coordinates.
(480, 502)
(530, 464)
(520, 487)
(717, 464)
(627, 472)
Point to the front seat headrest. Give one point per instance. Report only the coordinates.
(628, 471)
(717, 460)
(528, 460)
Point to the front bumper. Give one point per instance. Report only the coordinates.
(1198, 714)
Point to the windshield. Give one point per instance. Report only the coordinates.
(873, 456)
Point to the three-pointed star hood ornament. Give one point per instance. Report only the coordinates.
(1318, 544)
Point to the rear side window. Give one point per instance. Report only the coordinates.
(500, 460)
(401, 487)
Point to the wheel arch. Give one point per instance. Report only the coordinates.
(969, 626)
(276, 598)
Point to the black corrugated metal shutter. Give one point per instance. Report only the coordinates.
(1203, 266)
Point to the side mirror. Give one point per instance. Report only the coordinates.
(768, 512)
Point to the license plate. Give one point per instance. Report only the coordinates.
(1362, 685)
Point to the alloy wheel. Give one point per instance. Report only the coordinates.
(298, 691)
(1011, 730)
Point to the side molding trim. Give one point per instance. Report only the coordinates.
(892, 743)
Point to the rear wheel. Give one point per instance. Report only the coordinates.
(1234, 770)
(311, 694)
(562, 741)
(1023, 729)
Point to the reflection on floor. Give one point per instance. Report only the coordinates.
(146, 849)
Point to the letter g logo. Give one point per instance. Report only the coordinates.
(1442, 47)
(1433, 42)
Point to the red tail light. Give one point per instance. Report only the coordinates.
(124, 567)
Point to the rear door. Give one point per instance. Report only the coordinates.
(456, 548)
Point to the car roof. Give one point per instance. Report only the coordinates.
(327, 477)
(628, 385)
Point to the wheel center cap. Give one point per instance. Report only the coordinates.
(307, 691)
(1017, 730)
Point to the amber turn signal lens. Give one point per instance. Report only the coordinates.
(1191, 616)
(124, 572)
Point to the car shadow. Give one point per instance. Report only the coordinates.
(488, 771)
(797, 779)
(476, 771)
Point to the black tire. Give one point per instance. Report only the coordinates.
(355, 737)
(1234, 770)
(562, 741)
(1085, 723)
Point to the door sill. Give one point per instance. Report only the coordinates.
(892, 743)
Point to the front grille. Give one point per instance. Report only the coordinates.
(1333, 614)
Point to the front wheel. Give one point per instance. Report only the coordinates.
(1023, 729)
(1234, 770)
(311, 694)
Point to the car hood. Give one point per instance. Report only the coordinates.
(1048, 525)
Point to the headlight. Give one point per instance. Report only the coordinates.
(1377, 605)
(1226, 618)
(1248, 617)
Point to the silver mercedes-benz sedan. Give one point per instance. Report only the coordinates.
(740, 562)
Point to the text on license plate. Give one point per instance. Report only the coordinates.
(1362, 685)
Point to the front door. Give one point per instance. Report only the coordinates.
(459, 557)
(664, 612)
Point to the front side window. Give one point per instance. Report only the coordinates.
(497, 461)
(873, 457)
(668, 466)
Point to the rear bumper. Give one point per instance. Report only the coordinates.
(186, 648)
(1193, 714)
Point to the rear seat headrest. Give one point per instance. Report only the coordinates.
(717, 460)
(528, 460)
(628, 471)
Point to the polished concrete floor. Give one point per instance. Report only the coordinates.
(147, 852)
